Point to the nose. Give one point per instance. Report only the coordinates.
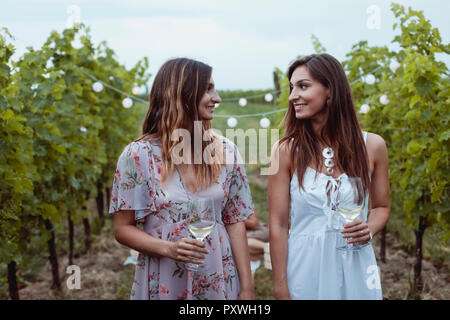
(216, 98)
(295, 95)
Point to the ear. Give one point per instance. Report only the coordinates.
(327, 91)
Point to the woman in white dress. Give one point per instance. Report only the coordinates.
(305, 227)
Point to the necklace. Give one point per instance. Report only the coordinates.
(328, 154)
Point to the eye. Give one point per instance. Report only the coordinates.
(303, 86)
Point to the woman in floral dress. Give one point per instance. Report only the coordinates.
(156, 183)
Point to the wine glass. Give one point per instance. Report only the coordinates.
(201, 223)
(351, 201)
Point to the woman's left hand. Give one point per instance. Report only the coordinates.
(358, 231)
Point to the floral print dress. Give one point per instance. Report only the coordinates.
(165, 212)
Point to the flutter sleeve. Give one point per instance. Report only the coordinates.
(239, 205)
(134, 181)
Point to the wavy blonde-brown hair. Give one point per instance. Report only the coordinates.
(177, 90)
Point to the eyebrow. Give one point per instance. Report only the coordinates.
(298, 81)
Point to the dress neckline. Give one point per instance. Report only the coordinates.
(188, 192)
(323, 174)
(320, 173)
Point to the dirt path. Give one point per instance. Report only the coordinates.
(397, 274)
(102, 271)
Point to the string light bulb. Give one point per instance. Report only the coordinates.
(242, 102)
(364, 108)
(127, 103)
(97, 86)
(268, 97)
(370, 79)
(264, 123)
(232, 122)
(384, 99)
(394, 65)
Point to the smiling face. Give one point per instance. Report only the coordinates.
(208, 102)
(308, 96)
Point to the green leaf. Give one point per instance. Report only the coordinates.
(444, 136)
(60, 148)
(8, 114)
(434, 160)
(414, 147)
(58, 89)
(49, 211)
(416, 98)
(423, 86)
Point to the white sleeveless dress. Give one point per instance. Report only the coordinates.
(315, 268)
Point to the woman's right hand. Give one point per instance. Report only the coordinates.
(188, 250)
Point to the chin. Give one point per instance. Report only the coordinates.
(300, 115)
(209, 117)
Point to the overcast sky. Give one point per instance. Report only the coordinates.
(242, 40)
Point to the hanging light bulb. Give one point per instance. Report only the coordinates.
(127, 103)
(264, 123)
(268, 97)
(384, 99)
(242, 102)
(111, 78)
(394, 65)
(83, 129)
(364, 109)
(97, 86)
(370, 79)
(232, 122)
(135, 90)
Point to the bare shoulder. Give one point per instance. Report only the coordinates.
(284, 148)
(376, 146)
(281, 156)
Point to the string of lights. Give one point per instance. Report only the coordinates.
(127, 102)
(268, 97)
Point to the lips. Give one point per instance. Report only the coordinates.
(299, 106)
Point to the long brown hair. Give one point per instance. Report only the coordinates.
(341, 129)
(177, 90)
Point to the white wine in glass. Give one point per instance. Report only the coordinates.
(201, 228)
(351, 201)
(349, 215)
(202, 223)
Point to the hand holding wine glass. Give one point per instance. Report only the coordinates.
(351, 201)
(201, 223)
